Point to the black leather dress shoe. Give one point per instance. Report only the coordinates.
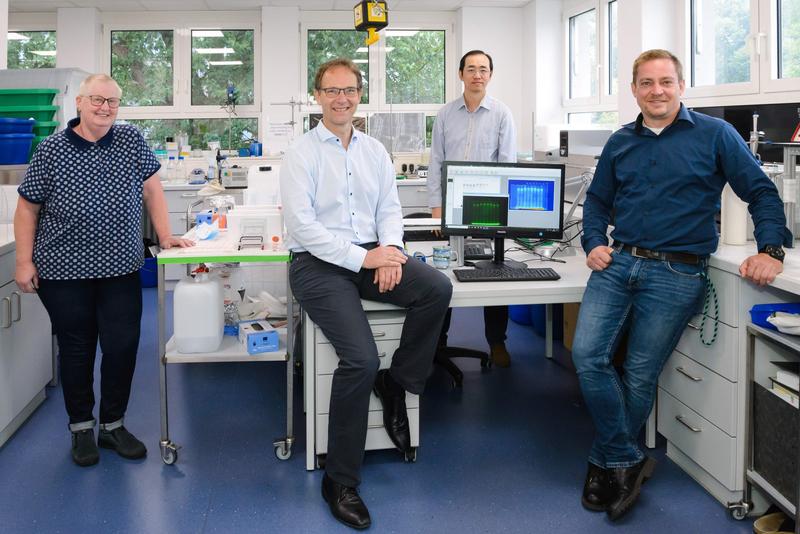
(395, 416)
(84, 450)
(345, 504)
(627, 483)
(123, 442)
(597, 489)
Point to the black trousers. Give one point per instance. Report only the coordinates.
(83, 311)
(495, 320)
(331, 296)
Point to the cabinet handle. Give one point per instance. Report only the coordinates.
(682, 421)
(422, 189)
(19, 304)
(379, 334)
(693, 326)
(374, 426)
(6, 312)
(188, 195)
(381, 355)
(685, 373)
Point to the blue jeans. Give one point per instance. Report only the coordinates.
(653, 300)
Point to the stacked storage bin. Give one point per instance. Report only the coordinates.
(25, 104)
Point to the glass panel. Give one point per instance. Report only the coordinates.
(233, 134)
(613, 81)
(31, 50)
(415, 67)
(789, 40)
(324, 45)
(222, 67)
(720, 29)
(583, 55)
(605, 118)
(141, 63)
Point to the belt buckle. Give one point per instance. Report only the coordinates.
(644, 253)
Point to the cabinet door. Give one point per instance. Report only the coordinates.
(25, 352)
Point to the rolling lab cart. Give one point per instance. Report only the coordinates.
(220, 250)
(773, 424)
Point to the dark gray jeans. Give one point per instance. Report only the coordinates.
(331, 296)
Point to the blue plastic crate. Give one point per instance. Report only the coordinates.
(14, 148)
(9, 125)
(760, 312)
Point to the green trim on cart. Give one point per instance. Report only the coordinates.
(223, 259)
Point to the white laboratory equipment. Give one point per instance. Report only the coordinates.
(198, 314)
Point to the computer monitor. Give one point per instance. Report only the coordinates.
(500, 200)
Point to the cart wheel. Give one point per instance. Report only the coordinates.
(169, 455)
(321, 461)
(411, 456)
(487, 363)
(282, 452)
(739, 510)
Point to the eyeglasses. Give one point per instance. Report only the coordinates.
(98, 101)
(333, 92)
(472, 71)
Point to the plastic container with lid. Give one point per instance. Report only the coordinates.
(198, 314)
(15, 148)
(13, 125)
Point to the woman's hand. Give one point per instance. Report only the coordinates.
(27, 277)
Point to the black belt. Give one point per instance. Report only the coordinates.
(678, 257)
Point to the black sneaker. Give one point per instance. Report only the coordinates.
(123, 442)
(84, 451)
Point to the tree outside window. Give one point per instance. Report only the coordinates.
(583, 55)
(789, 39)
(31, 50)
(720, 30)
(325, 45)
(141, 63)
(415, 69)
(200, 131)
(222, 59)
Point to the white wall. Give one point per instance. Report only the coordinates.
(499, 32)
(79, 38)
(280, 73)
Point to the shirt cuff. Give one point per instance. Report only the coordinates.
(355, 258)
(593, 242)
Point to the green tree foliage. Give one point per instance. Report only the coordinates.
(141, 63)
(790, 38)
(209, 81)
(200, 131)
(20, 53)
(415, 69)
(324, 45)
(731, 30)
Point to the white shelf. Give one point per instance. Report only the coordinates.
(231, 350)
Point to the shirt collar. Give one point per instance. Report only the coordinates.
(683, 115)
(325, 134)
(486, 102)
(80, 142)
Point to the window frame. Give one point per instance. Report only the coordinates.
(603, 100)
(182, 25)
(768, 58)
(377, 59)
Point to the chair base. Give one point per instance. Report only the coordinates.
(444, 356)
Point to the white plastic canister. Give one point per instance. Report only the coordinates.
(198, 314)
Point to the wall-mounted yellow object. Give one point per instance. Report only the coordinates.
(372, 17)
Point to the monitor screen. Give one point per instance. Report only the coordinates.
(503, 199)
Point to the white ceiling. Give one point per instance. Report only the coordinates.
(44, 6)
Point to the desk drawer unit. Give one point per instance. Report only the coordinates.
(711, 448)
(702, 390)
(386, 326)
(720, 356)
(413, 196)
(727, 286)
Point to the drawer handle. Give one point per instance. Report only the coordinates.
(19, 304)
(374, 426)
(422, 189)
(188, 195)
(693, 326)
(6, 312)
(379, 334)
(682, 421)
(381, 354)
(685, 373)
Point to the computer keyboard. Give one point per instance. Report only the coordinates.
(506, 275)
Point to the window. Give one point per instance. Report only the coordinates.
(720, 32)
(324, 45)
(788, 26)
(613, 54)
(31, 49)
(415, 67)
(141, 63)
(188, 73)
(583, 55)
(604, 118)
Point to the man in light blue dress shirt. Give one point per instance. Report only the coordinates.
(474, 127)
(345, 231)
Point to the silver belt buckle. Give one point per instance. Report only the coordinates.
(646, 255)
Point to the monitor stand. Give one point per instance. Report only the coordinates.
(499, 261)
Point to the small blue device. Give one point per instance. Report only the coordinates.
(204, 217)
(258, 337)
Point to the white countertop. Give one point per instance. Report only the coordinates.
(729, 257)
(6, 238)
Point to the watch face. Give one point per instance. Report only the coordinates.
(774, 252)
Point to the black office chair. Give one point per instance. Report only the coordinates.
(445, 354)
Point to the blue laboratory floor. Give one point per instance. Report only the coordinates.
(507, 454)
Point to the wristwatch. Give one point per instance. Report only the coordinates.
(773, 252)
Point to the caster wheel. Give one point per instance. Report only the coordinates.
(410, 456)
(321, 461)
(486, 364)
(282, 452)
(169, 455)
(739, 512)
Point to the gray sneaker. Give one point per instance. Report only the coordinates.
(84, 451)
(123, 442)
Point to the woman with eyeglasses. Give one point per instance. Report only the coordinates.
(79, 245)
